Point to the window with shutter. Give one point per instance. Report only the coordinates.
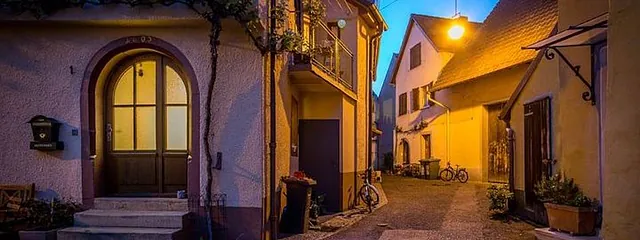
(402, 104)
(415, 59)
(415, 99)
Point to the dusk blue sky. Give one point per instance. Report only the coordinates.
(396, 13)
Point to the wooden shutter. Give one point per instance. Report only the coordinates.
(415, 59)
(402, 104)
(415, 99)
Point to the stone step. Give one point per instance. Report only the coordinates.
(112, 233)
(142, 204)
(126, 218)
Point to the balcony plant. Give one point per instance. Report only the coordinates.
(45, 218)
(568, 209)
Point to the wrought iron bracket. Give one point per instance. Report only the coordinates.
(588, 95)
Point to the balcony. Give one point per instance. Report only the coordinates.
(326, 63)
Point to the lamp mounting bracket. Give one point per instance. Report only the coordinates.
(589, 95)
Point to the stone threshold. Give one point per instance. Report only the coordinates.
(547, 234)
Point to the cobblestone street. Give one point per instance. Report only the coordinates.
(420, 209)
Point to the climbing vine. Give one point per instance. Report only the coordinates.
(286, 38)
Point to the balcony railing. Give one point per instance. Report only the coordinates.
(329, 53)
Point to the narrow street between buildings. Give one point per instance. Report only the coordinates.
(421, 209)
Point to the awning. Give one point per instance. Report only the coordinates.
(591, 32)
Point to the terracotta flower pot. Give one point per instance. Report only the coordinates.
(574, 220)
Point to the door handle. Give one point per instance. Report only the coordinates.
(109, 130)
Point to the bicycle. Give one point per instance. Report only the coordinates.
(368, 193)
(449, 173)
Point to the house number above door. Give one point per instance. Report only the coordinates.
(138, 39)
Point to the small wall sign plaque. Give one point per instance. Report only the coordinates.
(45, 134)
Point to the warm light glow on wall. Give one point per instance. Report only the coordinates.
(456, 32)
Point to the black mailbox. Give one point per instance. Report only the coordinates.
(45, 134)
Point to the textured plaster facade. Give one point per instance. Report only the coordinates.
(621, 133)
(407, 79)
(469, 140)
(387, 112)
(321, 103)
(41, 83)
(575, 147)
(37, 78)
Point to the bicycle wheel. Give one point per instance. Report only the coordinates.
(446, 175)
(369, 196)
(463, 176)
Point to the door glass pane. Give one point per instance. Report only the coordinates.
(176, 128)
(123, 128)
(124, 88)
(175, 88)
(146, 82)
(145, 128)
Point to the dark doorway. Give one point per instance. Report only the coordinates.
(498, 158)
(537, 152)
(405, 151)
(147, 128)
(320, 158)
(427, 146)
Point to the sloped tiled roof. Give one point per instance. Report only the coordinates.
(497, 45)
(437, 28)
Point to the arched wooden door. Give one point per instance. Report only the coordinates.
(147, 128)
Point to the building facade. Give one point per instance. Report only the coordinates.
(550, 101)
(130, 88)
(387, 114)
(425, 51)
(476, 83)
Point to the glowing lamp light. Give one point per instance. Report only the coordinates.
(456, 32)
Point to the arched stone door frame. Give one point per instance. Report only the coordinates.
(96, 68)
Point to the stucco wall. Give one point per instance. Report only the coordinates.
(40, 83)
(467, 102)
(621, 170)
(387, 112)
(408, 79)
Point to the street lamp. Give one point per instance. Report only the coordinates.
(456, 31)
(457, 28)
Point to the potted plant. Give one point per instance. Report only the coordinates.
(499, 196)
(568, 209)
(45, 218)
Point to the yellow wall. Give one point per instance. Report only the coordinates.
(467, 102)
(574, 122)
(621, 164)
(333, 105)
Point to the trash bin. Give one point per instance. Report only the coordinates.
(295, 219)
(434, 168)
(425, 168)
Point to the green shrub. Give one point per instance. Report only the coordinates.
(559, 190)
(47, 215)
(499, 196)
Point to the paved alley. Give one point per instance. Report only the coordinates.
(420, 209)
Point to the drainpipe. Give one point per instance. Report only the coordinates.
(273, 216)
(511, 150)
(447, 126)
(369, 98)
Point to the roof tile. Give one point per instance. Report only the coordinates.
(497, 44)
